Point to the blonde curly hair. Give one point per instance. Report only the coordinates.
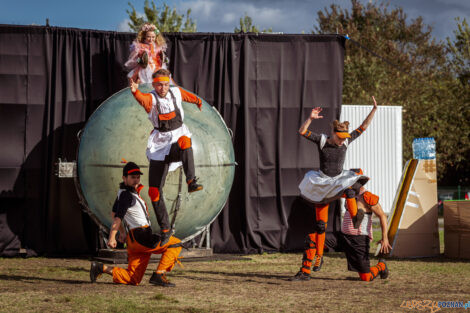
(148, 27)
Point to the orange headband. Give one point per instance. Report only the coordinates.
(161, 79)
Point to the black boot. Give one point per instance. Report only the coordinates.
(300, 276)
(95, 271)
(318, 263)
(194, 186)
(383, 274)
(160, 280)
(357, 220)
(143, 60)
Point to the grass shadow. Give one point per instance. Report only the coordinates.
(34, 278)
(77, 269)
(257, 275)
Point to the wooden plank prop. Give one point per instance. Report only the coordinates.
(412, 225)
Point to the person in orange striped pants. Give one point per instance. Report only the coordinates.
(131, 210)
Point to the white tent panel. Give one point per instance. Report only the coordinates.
(378, 151)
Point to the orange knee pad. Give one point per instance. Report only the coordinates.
(184, 142)
(154, 194)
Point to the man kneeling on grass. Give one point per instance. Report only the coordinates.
(356, 241)
(131, 210)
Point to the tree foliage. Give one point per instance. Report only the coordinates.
(416, 74)
(247, 26)
(460, 51)
(459, 87)
(166, 19)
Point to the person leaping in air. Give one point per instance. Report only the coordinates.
(169, 143)
(330, 182)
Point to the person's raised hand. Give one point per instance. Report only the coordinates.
(375, 102)
(134, 86)
(315, 114)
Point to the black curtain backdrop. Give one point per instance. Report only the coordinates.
(264, 86)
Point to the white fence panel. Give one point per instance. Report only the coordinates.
(378, 151)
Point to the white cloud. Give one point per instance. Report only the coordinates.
(295, 16)
(230, 18)
(266, 15)
(199, 8)
(223, 16)
(123, 26)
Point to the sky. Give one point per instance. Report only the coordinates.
(285, 16)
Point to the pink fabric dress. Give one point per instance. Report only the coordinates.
(157, 60)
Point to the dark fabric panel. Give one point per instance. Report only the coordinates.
(57, 77)
(12, 131)
(264, 86)
(287, 76)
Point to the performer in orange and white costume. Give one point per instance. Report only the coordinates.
(130, 210)
(329, 183)
(356, 241)
(169, 144)
(147, 54)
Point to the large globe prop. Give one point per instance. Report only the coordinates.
(118, 131)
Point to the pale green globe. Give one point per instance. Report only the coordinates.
(119, 130)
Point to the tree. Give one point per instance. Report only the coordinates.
(459, 64)
(460, 51)
(167, 20)
(246, 26)
(414, 74)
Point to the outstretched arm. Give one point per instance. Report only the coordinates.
(144, 99)
(315, 114)
(369, 117)
(191, 98)
(384, 244)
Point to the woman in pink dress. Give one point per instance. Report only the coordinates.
(147, 54)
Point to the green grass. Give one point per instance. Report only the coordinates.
(257, 284)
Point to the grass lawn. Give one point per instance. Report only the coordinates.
(258, 283)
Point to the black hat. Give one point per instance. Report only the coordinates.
(131, 168)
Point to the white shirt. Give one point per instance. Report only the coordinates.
(135, 215)
(364, 229)
(159, 143)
